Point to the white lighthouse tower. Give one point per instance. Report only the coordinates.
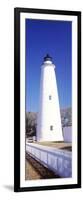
(49, 120)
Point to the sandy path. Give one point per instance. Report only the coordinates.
(35, 170)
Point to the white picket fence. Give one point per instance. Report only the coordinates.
(59, 161)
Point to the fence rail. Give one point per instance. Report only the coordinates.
(59, 161)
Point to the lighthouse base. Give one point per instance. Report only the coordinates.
(50, 139)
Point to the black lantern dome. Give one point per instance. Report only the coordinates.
(47, 58)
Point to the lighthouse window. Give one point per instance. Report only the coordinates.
(50, 97)
(51, 127)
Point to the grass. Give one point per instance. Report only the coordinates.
(60, 145)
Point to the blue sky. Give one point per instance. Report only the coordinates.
(54, 38)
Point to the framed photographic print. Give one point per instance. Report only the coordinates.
(47, 99)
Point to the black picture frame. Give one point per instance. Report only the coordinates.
(17, 12)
